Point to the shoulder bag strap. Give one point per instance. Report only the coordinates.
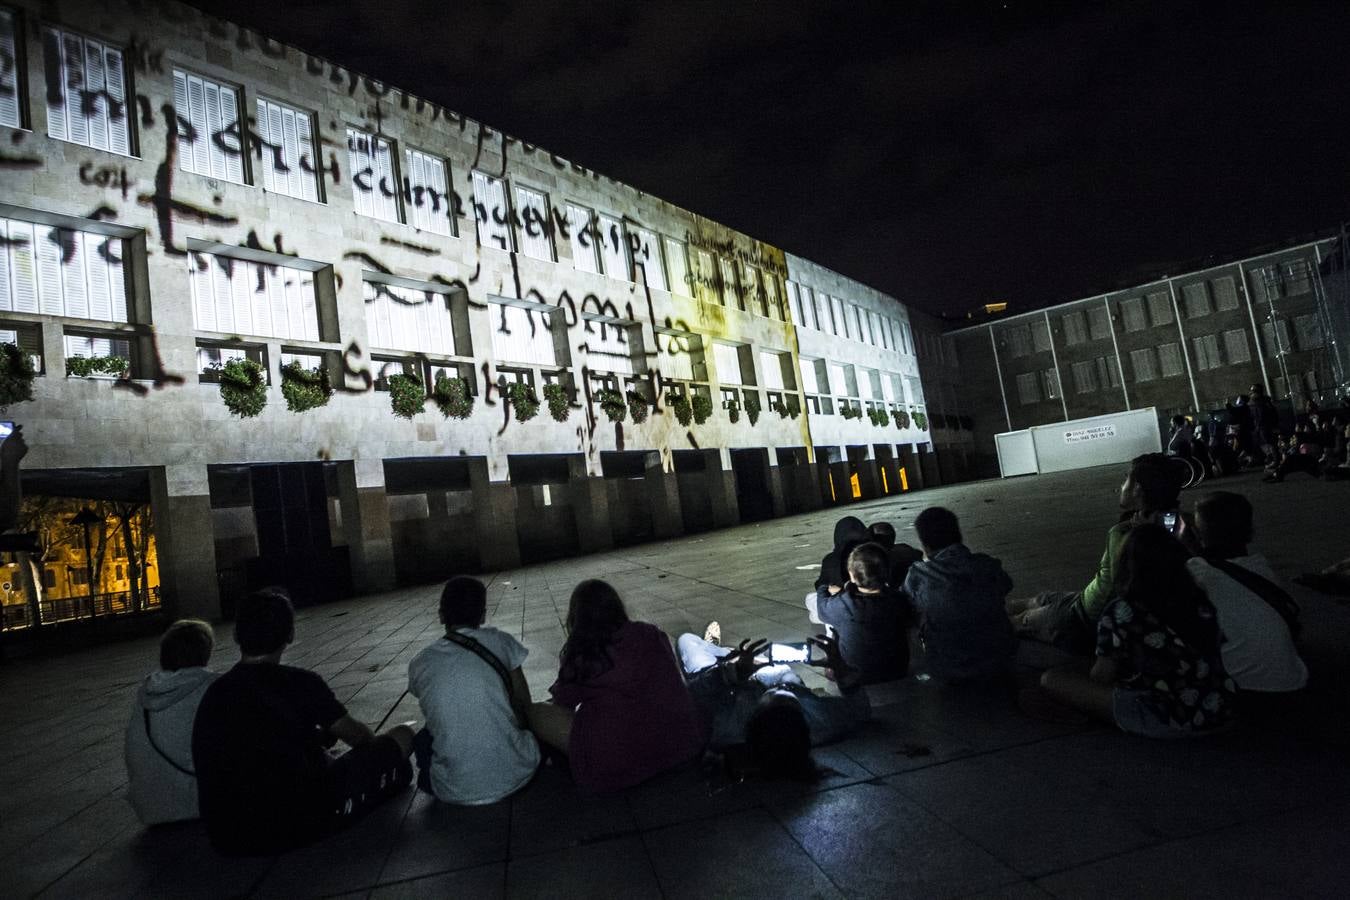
(490, 658)
(162, 755)
(1264, 588)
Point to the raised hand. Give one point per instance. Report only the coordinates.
(743, 658)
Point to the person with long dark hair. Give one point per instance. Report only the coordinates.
(1159, 671)
(621, 711)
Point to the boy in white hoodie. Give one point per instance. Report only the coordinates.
(163, 785)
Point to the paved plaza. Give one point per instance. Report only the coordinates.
(944, 795)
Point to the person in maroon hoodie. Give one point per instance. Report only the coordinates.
(621, 710)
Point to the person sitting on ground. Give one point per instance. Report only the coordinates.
(959, 599)
(476, 747)
(1068, 619)
(1257, 616)
(1303, 453)
(162, 785)
(902, 556)
(849, 532)
(870, 618)
(1159, 671)
(762, 711)
(621, 711)
(265, 781)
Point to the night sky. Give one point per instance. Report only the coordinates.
(949, 154)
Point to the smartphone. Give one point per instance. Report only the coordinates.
(1170, 521)
(6, 429)
(790, 653)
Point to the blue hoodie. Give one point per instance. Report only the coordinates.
(959, 597)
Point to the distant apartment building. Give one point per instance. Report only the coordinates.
(1184, 344)
(191, 211)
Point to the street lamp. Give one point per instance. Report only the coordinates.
(85, 518)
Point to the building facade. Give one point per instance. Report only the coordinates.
(192, 211)
(1183, 345)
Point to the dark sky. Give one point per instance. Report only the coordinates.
(950, 154)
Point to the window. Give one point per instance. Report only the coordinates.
(753, 292)
(87, 346)
(612, 348)
(1075, 328)
(727, 358)
(1108, 371)
(27, 337)
(1197, 299)
(239, 296)
(838, 379)
(708, 283)
(1206, 348)
(1132, 311)
(521, 335)
(211, 357)
(1040, 335)
(426, 195)
(1050, 378)
(1297, 277)
(681, 355)
(1267, 283)
(1145, 363)
(536, 235)
(771, 366)
(731, 292)
(1083, 380)
(1308, 331)
(61, 272)
(491, 211)
(86, 93)
(810, 381)
(795, 305)
(773, 294)
(1235, 345)
(11, 80)
(860, 332)
(1029, 388)
(1225, 293)
(1277, 340)
(1019, 341)
(822, 315)
(614, 247)
(884, 326)
(212, 111)
(1160, 308)
(374, 185)
(403, 318)
(286, 151)
(647, 254)
(1171, 360)
(678, 265)
(585, 253)
(1099, 323)
(837, 316)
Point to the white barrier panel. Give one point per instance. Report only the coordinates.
(1098, 441)
(1016, 453)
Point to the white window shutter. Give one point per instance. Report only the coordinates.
(182, 108)
(74, 277)
(93, 106)
(9, 101)
(23, 266)
(118, 111)
(229, 116)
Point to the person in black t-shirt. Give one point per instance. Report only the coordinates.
(871, 618)
(265, 780)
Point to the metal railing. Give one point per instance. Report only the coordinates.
(83, 608)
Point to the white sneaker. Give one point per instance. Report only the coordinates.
(713, 633)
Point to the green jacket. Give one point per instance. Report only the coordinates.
(1102, 589)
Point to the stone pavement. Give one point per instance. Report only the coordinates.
(945, 795)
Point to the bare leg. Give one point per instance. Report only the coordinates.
(551, 724)
(1076, 689)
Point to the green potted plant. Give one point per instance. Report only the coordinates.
(752, 407)
(901, 418)
(304, 388)
(920, 421)
(701, 407)
(794, 407)
(407, 395)
(88, 366)
(243, 387)
(733, 410)
(850, 411)
(880, 418)
(524, 401)
(637, 406)
(612, 402)
(559, 404)
(16, 375)
(452, 396)
(683, 410)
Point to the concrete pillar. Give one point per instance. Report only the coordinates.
(663, 498)
(590, 506)
(889, 468)
(54, 349)
(181, 504)
(864, 466)
(915, 470)
(365, 524)
(494, 518)
(721, 481)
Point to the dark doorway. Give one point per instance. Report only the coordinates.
(751, 468)
(691, 474)
(431, 518)
(295, 544)
(630, 511)
(546, 523)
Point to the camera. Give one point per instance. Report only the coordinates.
(790, 652)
